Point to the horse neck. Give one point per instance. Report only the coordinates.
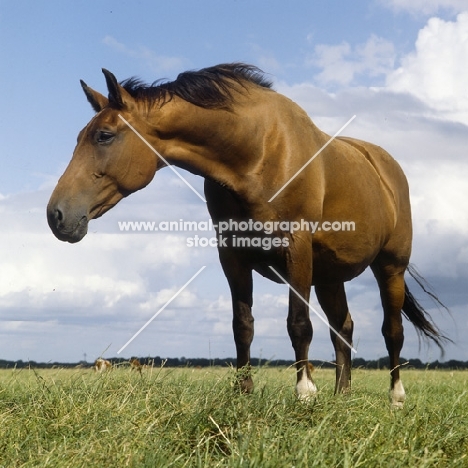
(213, 143)
(252, 150)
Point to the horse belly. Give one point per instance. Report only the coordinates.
(341, 261)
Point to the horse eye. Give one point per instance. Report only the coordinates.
(104, 137)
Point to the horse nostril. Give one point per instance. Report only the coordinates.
(55, 216)
(58, 215)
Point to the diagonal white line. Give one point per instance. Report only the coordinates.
(170, 166)
(312, 158)
(325, 321)
(161, 309)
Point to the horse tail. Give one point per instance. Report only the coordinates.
(418, 316)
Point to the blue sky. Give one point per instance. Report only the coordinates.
(398, 65)
(49, 45)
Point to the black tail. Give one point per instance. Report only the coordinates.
(419, 317)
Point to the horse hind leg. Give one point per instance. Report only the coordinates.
(332, 299)
(392, 293)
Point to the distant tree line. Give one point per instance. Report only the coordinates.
(381, 363)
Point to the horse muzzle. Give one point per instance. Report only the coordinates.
(66, 226)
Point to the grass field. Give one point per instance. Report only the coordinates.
(194, 417)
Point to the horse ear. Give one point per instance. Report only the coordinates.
(97, 100)
(118, 96)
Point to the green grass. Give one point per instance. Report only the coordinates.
(195, 418)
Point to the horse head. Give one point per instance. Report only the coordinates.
(109, 162)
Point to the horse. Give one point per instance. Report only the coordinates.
(102, 365)
(135, 365)
(253, 147)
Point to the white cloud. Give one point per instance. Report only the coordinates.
(436, 71)
(426, 7)
(341, 64)
(433, 73)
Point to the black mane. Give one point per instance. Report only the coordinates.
(210, 88)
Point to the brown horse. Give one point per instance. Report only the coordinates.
(226, 124)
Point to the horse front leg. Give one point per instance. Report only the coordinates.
(239, 276)
(298, 322)
(243, 328)
(300, 333)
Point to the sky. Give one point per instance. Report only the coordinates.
(398, 65)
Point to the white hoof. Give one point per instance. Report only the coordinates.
(397, 395)
(306, 389)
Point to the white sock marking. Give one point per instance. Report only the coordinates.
(397, 395)
(305, 388)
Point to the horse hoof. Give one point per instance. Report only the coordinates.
(396, 405)
(245, 385)
(306, 390)
(397, 395)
